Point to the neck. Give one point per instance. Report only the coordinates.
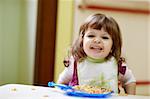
(95, 60)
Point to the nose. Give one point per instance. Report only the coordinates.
(97, 40)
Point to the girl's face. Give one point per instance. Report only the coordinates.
(97, 44)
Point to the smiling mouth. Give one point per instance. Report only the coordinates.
(96, 48)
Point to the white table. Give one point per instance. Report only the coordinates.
(18, 91)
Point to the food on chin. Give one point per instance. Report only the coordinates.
(92, 89)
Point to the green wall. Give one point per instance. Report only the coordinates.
(17, 41)
(9, 38)
(17, 38)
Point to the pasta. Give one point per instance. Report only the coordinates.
(92, 89)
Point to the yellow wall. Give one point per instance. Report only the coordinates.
(64, 33)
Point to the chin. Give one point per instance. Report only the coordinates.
(97, 57)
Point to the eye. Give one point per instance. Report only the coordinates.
(90, 36)
(105, 37)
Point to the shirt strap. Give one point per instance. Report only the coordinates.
(74, 80)
(121, 68)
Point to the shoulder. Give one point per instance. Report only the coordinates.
(112, 60)
(122, 66)
(69, 65)
(125, 73)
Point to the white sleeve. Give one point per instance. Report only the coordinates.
(128, 77)
(67, 73)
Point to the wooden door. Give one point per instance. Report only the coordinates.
(45, 42)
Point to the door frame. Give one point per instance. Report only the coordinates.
(45, 42)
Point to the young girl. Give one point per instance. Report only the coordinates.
(96, 57)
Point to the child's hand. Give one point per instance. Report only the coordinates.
(121, 89)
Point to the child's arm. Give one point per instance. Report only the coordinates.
(131, 88)
(62, 82)
(65, 76)
(121, 90)
(129, 81)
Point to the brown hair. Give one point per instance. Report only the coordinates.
(98, 21)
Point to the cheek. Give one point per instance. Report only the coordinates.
(86, 44)
(109, 46)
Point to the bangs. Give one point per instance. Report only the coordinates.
(99, 23)
(96, 23)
